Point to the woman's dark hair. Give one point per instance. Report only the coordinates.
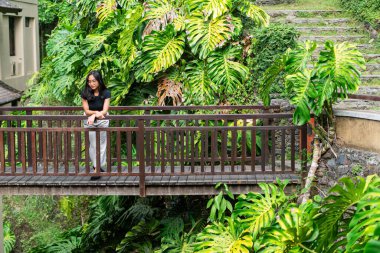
(87, 92)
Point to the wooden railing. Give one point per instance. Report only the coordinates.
(149, 141)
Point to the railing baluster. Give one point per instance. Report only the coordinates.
(108, 151)
(2, 153)
(77, 149)
(243, 146)
(22, 153)
(129, 147)
(140, 139)
(253, 146)
(292, 150)
(44, 152)
(233, 147)
(66, 151)
(34, 152)
(12, 151)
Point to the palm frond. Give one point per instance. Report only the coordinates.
(258, 15)
(9, 239)
(206, 35)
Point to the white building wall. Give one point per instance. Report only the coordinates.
(17, 70)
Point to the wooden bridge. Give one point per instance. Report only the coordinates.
(150, 150)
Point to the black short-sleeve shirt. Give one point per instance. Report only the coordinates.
(97, 103)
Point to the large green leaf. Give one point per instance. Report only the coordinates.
(213, 8)
(337, 210)
(205, 35)
(294, 231)
(366, 219)
(199, 88)
(229, 237)
(298, 58)
(160, 51)
(338, 70)
(258, 211)
(301, 90)
(258, 15)
(224, 71)
(159, 13)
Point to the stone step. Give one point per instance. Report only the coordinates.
(322, 38)
(328, 29)
(370, 57)
(360, 47)
(281, 13)
(324, 21)
(370, 77)
(272, 2)
(372, 68)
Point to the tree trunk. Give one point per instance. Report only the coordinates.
(313, 168)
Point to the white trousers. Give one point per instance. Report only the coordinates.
(103, 141)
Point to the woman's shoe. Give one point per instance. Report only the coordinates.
(96, 177)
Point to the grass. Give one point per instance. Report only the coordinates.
(307, 5)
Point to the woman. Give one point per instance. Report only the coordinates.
(96, 100)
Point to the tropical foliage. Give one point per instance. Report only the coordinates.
(314, 85)
(271, 221)
(193, 45)
(9, 238)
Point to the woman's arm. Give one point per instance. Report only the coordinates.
(86, 108)
(106, 106)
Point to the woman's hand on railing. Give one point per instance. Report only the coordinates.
(91, 119)
(99, 115)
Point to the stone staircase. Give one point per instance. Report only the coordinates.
(335, 25)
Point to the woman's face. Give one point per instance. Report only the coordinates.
(93, 83)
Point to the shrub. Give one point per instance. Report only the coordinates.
(268, 44)
(364, 10)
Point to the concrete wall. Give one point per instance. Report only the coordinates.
(26, 61)
(361, 132)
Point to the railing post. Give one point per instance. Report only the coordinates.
(29, 139)
(303, 152)
(140, 151)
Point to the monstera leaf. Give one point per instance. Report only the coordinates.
(227, 73)
(258, 211)
(205, 35)
(338, 72)
(229, 237)
(258, 15)
(160, 50)
(198, 85)
(366, 219)
(294, 231)
(301, 90)
(213, 8)
(337, 210)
